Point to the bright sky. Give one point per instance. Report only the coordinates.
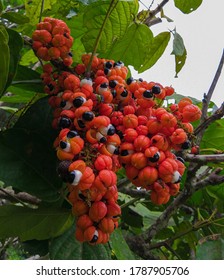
(203, 34)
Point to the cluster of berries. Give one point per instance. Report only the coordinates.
(107, 121)
(52, 40)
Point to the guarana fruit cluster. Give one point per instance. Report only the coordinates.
(106, 121)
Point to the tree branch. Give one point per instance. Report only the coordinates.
(204, 158)
(23, 197)
(152, 14)
(206, 100)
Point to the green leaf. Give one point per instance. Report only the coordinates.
(210, 250)
(66, 247)
(33, 9)
(155, 51)
(178, 44)
(1, 6)
(27, 79)
(179, 62)
(27, 158)
(15, 17)
(187, 6)
(28, 58)
(18, 95)
(112, 29)
(15, 45)
(28, 224)
(5, 58)
(133, 46)
(213, 136)
(120, 247)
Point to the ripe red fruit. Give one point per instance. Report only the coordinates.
(97, 211)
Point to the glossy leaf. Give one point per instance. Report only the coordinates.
(187, 6)
(155, 51)
(15, 46)
(5, 58)
(15, 17)
(66, 247)
(27, 158)
(133, 46)
(120, 247)
(28, 224)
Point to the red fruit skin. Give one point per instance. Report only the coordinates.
(107, 225)
(141, 143)
(148, 175)
(113, 211)
(103, 162)
(84, 222)
(80, 208)
(139, 160)
(97, 211)
(79, 234)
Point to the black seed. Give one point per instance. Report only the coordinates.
(63, 144)
(78, 101)
(70, 54)
(106, 71)
(104, 85)
(147, 94)
(71, 177)
(140, 80)
(155, 158)
(112, 83)
(120, 134)
(108, 64)
(114, 93)
(63, 103)
(103, 140)
(186, 145)
(116, 64)
(124, 93)
(130, 80)
(81, 196)
(50, 86)
(81, 124)
(181, 159)
(66, 35)
(124, 153)
(94, 239)
(72, 133)
(156, 89)
(116, 151)
(88, 116)
(120, 62)
(64, 122)
(111, 130)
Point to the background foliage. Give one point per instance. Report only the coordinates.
(42, 223)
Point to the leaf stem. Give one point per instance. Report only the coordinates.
(110, 9)
(41, 10)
